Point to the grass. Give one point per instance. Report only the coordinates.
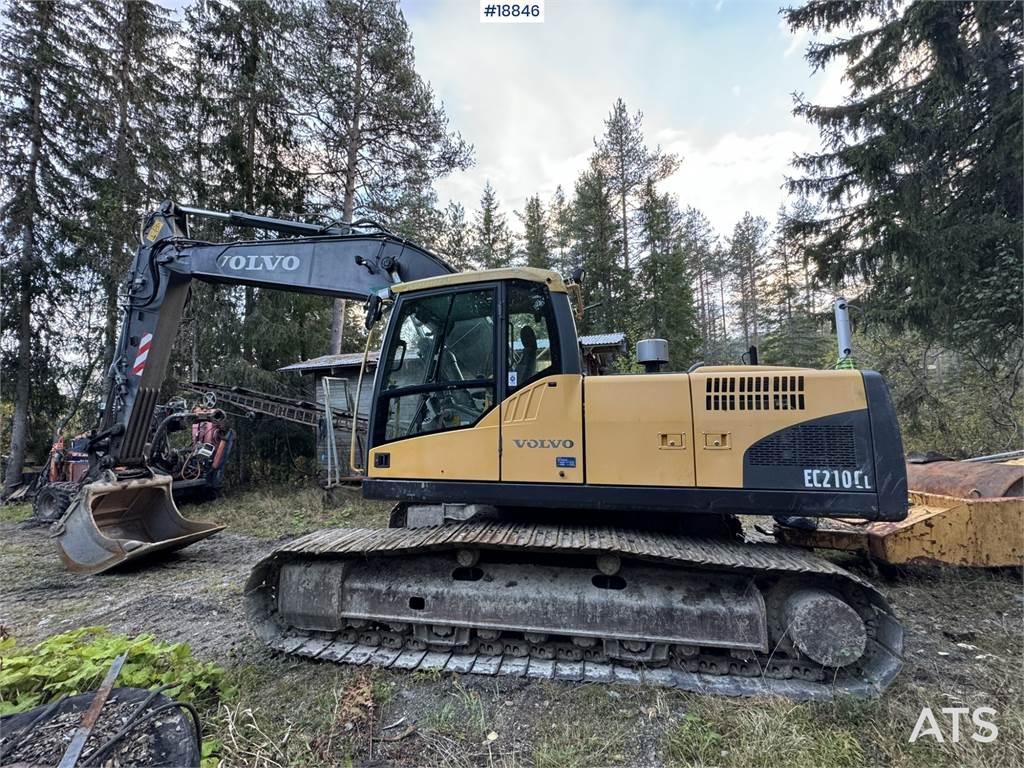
(742, 734)
(281, 511)
(461, 716)
(964, 647)
(300, 714)
(15, 513)
(584, 726)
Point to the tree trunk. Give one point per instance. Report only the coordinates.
(721, 297)
(349, 204)
(22, 387)
(110, 327)
(23, 380)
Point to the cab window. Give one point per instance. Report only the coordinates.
(439, 366)
(532, 348)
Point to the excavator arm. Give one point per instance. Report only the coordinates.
(352, 263)
(125, 511)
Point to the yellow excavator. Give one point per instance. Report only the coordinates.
(547, 523)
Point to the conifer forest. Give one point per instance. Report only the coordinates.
(315, 110)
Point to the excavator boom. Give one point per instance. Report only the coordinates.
(126, 512)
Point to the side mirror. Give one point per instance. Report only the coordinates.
(577, 275)
(374, 309)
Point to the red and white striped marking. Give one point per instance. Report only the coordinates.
(140, 359)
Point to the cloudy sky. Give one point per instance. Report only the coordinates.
(713, 79)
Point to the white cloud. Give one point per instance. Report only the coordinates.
(734, 174)
(531, 98)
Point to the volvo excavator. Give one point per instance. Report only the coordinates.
(547, 523)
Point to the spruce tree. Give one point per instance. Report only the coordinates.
(492, 246)
(536, 240)
(796, 331)
(131, 160)
(666, 305)
(456, 238)
(595, 236)
(748, 258)
(698, 240)
(559, 225)
(40, 114)
(920, 171)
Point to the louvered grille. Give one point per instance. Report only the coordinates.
(807, 445)
(754, 393)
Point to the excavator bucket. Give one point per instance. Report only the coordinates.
(112, 522)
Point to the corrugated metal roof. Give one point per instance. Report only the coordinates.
(325, 362)
(603, 339)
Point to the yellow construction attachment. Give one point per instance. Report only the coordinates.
(112, 522)
(968, 528)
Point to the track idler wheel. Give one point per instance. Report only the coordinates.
(824, 628)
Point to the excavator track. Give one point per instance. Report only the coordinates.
(579, 603)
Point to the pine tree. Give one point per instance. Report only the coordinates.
(536, 239)
(492, 246)
(667, 306)
(921, 168)
(595, 235)
(698, 240)
(748, 258)
(369, 119)
(43, 93)
(628, 164)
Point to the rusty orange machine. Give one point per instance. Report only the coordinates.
(966, 513)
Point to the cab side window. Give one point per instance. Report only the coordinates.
(532, 348)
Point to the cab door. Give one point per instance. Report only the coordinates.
(436, 415)
(542, 412)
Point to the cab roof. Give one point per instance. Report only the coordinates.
(552, 279)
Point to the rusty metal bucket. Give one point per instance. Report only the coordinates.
(967, 480)
(112, 522)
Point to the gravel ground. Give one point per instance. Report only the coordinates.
(964, 647)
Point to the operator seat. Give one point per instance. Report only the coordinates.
(527, 365)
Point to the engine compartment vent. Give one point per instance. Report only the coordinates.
(807, 445)
(754, 393)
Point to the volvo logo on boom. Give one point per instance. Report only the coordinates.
(259, 262)
(567, 443)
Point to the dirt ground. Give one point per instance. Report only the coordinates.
(964, 643)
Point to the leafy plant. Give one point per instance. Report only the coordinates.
(76, 661)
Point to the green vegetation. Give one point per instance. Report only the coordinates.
(76, 661)
(584, 726)
(15, 513)
(460, 716)
(716, 732)
(260, 512)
